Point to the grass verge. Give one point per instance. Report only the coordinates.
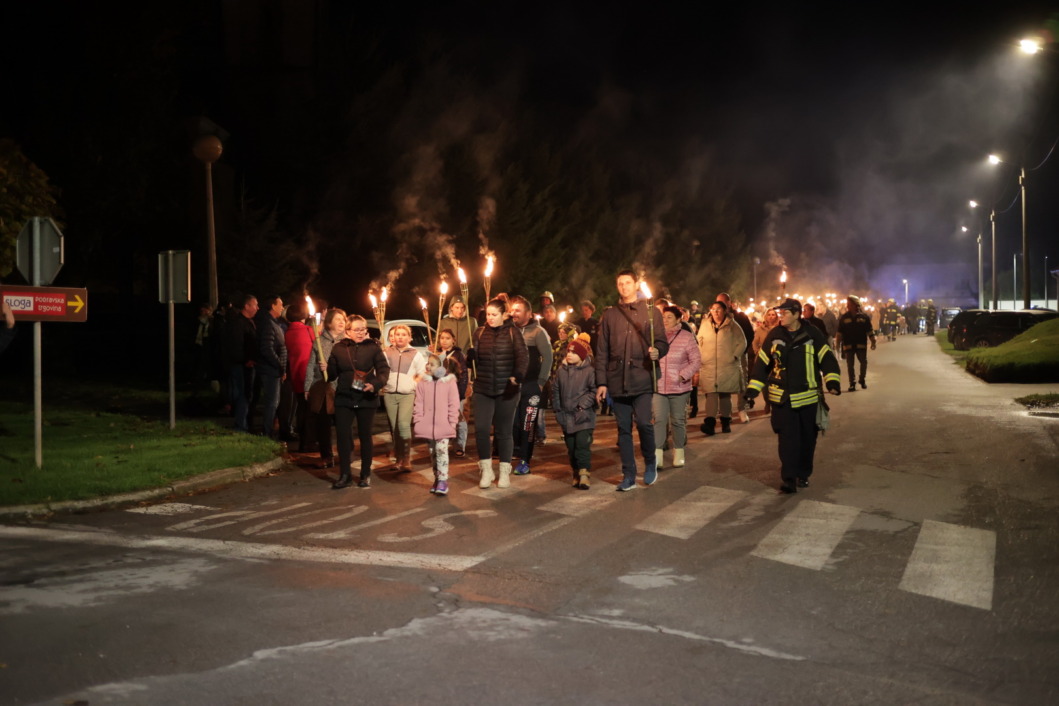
(1045, 401)
(1030, 357)
(88, 454)
(958, 357)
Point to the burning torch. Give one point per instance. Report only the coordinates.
(488, 277)
(314, 327)
(651, 318)
(426, 320)
(441, 302)
(467, 307)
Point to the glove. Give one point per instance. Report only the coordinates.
(749, 396)
(834, 387)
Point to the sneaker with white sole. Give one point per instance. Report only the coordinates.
(442, 488)
(626, 485)
(521, 469)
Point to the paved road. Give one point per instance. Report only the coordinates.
(921, 566)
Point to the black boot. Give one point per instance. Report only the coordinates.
(345, 479)
(709, 426)
(726, 425)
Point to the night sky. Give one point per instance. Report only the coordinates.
(856, 134)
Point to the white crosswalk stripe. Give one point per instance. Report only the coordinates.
(691, 513)
(808, 535)
(953, 563)
(577, 503)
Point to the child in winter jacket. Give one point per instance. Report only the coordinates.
(574, 402)
(435, 413)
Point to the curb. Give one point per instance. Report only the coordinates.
(213, 479)
(1041, 413)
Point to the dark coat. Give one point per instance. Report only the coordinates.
(499, 353)
(367, 358)
(574, 397)
(271, 346)
(622, 362)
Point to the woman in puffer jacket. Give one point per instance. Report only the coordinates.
(676, 371)
(500, 358)
(721, 347)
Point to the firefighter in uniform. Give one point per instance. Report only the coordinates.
(854, 332)
(932, 317)
(791, 362)
(890, 319)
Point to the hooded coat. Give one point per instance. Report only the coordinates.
(721, 349)
(437, 408)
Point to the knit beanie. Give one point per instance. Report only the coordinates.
(581, 346)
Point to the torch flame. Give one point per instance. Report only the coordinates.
(489, 266)
(383, 294)
(783, 277)
(374, 301)
(461, 275)
(444, 287)
(422, 303)
(644, 288)
(309, 301)
(562, 317)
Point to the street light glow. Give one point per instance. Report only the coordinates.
(1029, 46)
(993, 159)
(974, 204)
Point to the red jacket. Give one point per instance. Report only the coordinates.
(299, 339)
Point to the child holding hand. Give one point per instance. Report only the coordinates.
(574, 402)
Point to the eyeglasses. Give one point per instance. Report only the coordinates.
(361, 329)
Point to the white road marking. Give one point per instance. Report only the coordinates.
(577, 503)
(686, 516)
(808, 535)
(518, 485)
(953, 563)
(251, 550)
(170, 509)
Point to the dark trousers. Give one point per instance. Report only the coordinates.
(797, 436)
(496, 415)
(318, 430)
(524, 438)
(579, 448)
(626, 411)
(270, 392)
(240, 387)
(860, 354)
(365, 419)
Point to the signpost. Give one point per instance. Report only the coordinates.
(39, 255)
(174, 287)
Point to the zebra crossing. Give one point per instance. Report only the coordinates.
(948, 562)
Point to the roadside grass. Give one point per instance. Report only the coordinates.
(958, 357)
(1044, 401)
(1030, 357)
(89, 453)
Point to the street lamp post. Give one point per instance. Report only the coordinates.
(993, 159)
(1014, 280)
(905, 282)
(993, 290)
(757, 261)
(208, 150)
(1045, 281)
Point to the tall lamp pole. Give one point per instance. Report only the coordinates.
(905, 282)
(208, 150)
(993, 159)
(992, 270)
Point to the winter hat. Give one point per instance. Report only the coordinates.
(581, 346)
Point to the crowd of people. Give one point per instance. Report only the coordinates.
(651, 364)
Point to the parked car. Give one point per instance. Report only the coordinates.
(961, 320)
(420, 338)
(992, 328)
(948, 313)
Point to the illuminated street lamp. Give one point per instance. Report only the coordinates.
(1029, 46)
(981, 282)
(905, 283)
(993, 159)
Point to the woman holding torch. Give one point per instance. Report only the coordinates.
(319, 418)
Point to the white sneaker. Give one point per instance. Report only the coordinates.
(744, 417)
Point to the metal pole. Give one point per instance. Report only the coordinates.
(1014, 280)
(172, 338)
(993, 290)
(1025, 244)
(211, 239)
(38, 397)
(981, 293)
(1045, 281)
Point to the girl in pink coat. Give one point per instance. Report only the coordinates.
(435, 414)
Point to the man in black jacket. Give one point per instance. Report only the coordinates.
(625, 359)
(239, 353)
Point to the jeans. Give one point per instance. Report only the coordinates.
(270, 390)
(671, 409)
(497, 415)
(626, 411)
(240, 387)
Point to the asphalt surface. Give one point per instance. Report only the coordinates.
(921, 565)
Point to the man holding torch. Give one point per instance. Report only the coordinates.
(631, 338)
